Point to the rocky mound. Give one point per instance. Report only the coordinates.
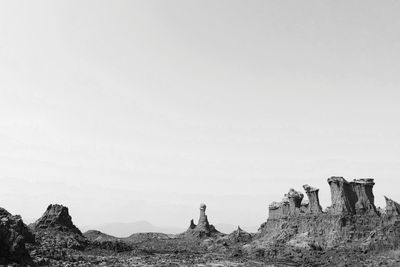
(56, 217)
(307, 234)
(239, 235)
(203, 228)
(57, 237)
(13, 236)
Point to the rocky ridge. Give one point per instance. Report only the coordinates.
(307, 234)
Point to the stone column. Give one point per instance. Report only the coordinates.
(313, 199)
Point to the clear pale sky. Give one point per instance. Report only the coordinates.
(141, 110)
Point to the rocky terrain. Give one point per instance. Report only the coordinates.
(298, 232)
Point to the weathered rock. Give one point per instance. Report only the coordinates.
(342, 196)
(295, 199)
(203, 227)
(351, 225)
(354, 197)
(56, 217)
(364, 195)
(275, 210)
(313, 199)
(14, 234)
(239, 235)
(392, 207)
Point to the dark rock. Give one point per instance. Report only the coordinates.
(295, 199)
(364, 195)
(56, 217)
(341, 195)
(14, 235)
(392, 207)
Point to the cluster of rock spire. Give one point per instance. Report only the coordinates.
(355, 197)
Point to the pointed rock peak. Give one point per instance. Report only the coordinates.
(203, 228)
(392, 207)
(239, 235)
(56, 217)
(192, 225)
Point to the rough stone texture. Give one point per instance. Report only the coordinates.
(56, 217)
(275, 211)
(392, 207)
(341, 196)
(291, 204)
(354, 197)
(364, 195)
(313, 199)
(203, 227)
(351, 226)
(295, 199)
(14, 235)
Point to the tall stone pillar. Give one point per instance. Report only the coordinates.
(313, 199)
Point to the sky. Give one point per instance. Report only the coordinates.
(142, 110)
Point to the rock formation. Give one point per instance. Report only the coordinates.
(364, 195)
(352, 223)
(239, 235)
(56, 217)
(295, 199)
(392, 207)
(203, 227)
(290, 205)
(313, 199)
(354, 197)
(341, 195)
(14, 234)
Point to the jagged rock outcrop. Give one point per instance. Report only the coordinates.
(352, 197)
(341, 195)
(352, 223)
(56, 217)
(57, 237)
(295, 199)
(203, 227)
(14, 234)
(364, 197)
(313, 199)
(239, 235)
(290, 205)
(392, 207)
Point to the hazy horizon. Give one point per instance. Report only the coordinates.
(141, 110)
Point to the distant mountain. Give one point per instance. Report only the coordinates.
(126, 229)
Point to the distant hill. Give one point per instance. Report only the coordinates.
(119, 229)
